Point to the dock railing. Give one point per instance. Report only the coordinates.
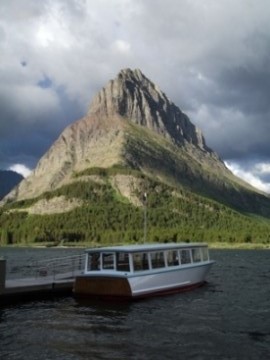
(67, 266)
(2, 273)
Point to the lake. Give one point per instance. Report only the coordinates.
(228, 318)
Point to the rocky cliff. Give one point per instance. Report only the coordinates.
(134, 97)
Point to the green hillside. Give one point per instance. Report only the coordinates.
(108, 217)
(199, 172)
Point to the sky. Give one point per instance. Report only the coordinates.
(211, 58)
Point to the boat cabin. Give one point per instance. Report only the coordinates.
(140, 258)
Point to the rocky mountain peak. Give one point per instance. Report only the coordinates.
(133, 96)
(105, 136)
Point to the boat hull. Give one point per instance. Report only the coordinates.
(102, 286)
(169, 281)
(142, 285)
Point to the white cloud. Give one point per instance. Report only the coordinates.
(263, 168)
(44, 36)
(121, 46)
(21, 169)
(251, 176)
(53, 29)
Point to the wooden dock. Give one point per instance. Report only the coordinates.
(33, 288)
(15, 290)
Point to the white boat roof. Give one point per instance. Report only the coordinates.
(146, 247)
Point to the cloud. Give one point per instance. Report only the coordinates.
(257, 175)
(234, 134)
(21, 169)
(121, 46)
(30, 103)
(263, 171)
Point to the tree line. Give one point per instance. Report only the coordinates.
(173, 214)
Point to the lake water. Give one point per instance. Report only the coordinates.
(228, 318)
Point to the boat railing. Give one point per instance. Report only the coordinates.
(67, 266)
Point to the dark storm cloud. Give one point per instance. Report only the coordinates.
(29, 128)
(236, 110)
(245, 88)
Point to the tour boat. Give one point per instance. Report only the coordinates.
(137, 271)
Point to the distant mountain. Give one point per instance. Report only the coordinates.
(8, 180)
(133, 140)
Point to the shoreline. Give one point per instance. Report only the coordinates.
(212, 246)
(238, 246)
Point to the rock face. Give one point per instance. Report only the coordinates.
(133, 96)
(100, 138)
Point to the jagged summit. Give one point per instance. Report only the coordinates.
(133, 96)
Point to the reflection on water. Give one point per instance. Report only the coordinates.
(228, 318)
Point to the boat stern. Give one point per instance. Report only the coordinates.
(102, 286)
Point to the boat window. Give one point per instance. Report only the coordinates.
(122, 262)
(93, 262)
(172, 258)
(185, 256)
(140, 261)
(157, 259)
(205, 256)
(108, 261)
(196, 255)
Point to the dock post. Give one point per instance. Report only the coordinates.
(2, 274)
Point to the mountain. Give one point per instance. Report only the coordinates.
(105, 136)
(132, 140)
(8, 180)
(131, 122)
